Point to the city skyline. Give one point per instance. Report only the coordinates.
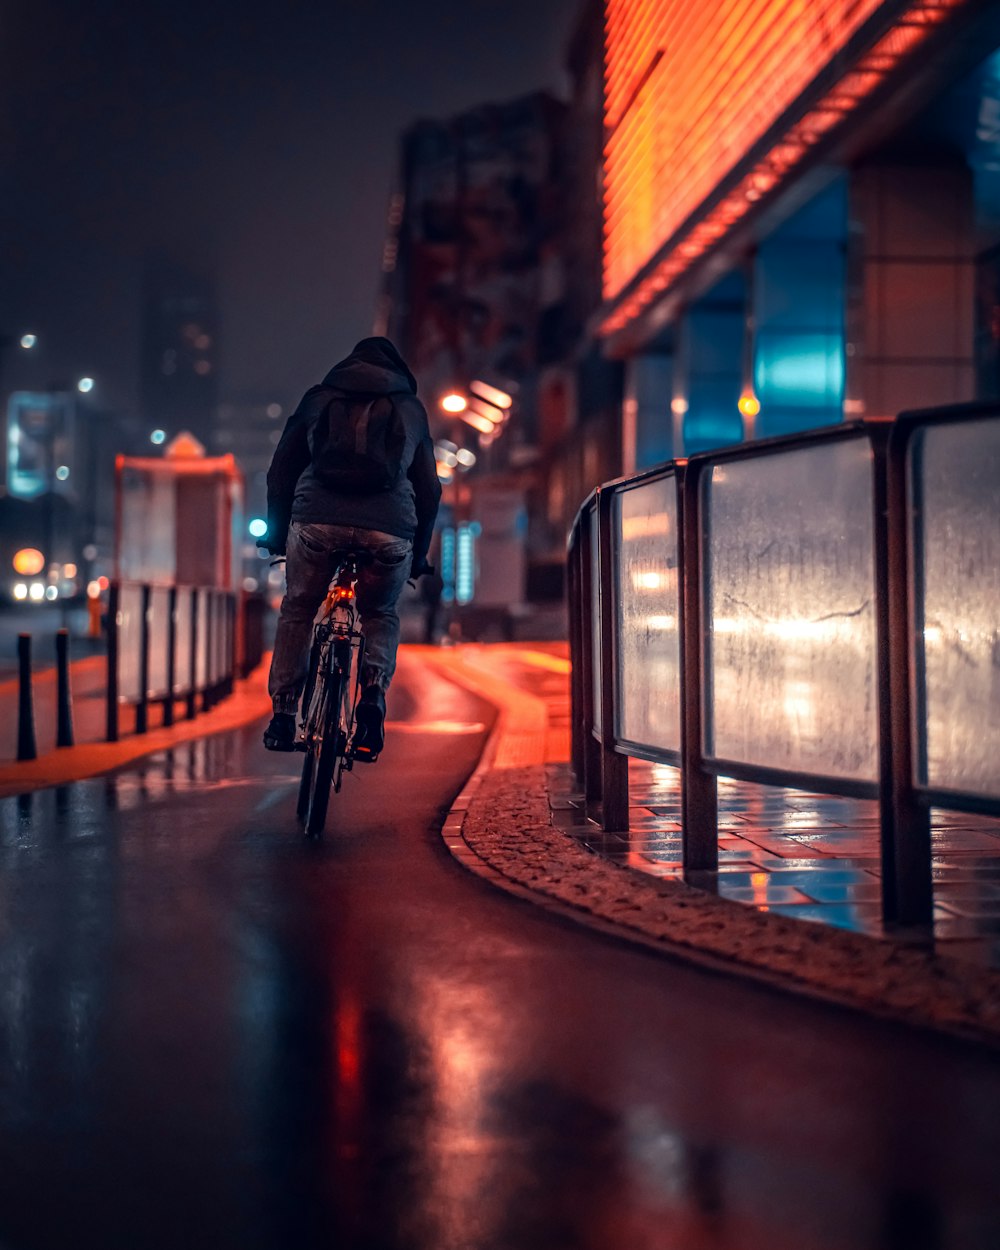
(177, 129)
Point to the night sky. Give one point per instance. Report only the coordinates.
(255, 141)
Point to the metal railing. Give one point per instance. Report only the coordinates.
(168, 645)
(820, 611)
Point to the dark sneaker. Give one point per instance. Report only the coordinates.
(280, 734)
(369, 734)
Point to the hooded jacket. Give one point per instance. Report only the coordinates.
(294, 493)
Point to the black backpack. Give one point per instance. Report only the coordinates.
(358, 444)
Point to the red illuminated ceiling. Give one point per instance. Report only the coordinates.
(692, 87)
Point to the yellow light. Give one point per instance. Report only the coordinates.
(69, 570)
(749, 404)
(29, 561)
(492, 394)
(483, 424)
(453, 402)
(490, 411)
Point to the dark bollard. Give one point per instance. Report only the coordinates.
(114, 603)
(26, 749)
(64, 706)
(192, 692)
(168, 706)
(142, 707)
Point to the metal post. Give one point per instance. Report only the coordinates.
(192, 691)
(907, 881)
(591, 747)
(231, 622)
(114, 598)
(142, 707)
(574, 616)
(699, 788)
(26, 747)
(208, 697)
(168, 705)
(64, 706)
(614, 766)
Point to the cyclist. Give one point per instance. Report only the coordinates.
(354, 469)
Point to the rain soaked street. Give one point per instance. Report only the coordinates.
(215, 1034)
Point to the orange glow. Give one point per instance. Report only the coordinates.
(749, 404)
(684, 106)
(492, 394)
(490, 411)
(29, 561)
(483, 424)
(453, 402)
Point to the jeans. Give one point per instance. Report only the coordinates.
(309, 567)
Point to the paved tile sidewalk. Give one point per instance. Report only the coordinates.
(786, 852)
(801, 855)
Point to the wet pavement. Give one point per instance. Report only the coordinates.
(809, 857)
(213, 1033)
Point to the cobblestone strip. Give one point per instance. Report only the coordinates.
(506, 828)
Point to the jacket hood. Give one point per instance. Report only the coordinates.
(374, 367)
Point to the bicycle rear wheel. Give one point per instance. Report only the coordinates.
(313, 702)
(321, 759)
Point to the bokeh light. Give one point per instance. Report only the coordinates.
(29, 561)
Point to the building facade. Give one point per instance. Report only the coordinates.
(475, 295)
(800, 214)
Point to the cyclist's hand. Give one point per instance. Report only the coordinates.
(420, 568)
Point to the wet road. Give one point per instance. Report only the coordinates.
(215, 1034)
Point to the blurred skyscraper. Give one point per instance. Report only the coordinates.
(180, 349)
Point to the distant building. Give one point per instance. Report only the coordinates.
(474, 290)
(180, 350)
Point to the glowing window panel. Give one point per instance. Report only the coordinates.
(448, 564)
(465, 564)
(685, 104)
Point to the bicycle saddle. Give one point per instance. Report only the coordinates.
(344, 555)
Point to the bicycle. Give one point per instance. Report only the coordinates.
(330, 697)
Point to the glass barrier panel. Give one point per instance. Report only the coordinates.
(956, 481)
(595, 612)
(649, 690)
(159, 627)
(791, 659)
(129, 642)
(182, 665)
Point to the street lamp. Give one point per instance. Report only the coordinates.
(85, 386)
(28, 341)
